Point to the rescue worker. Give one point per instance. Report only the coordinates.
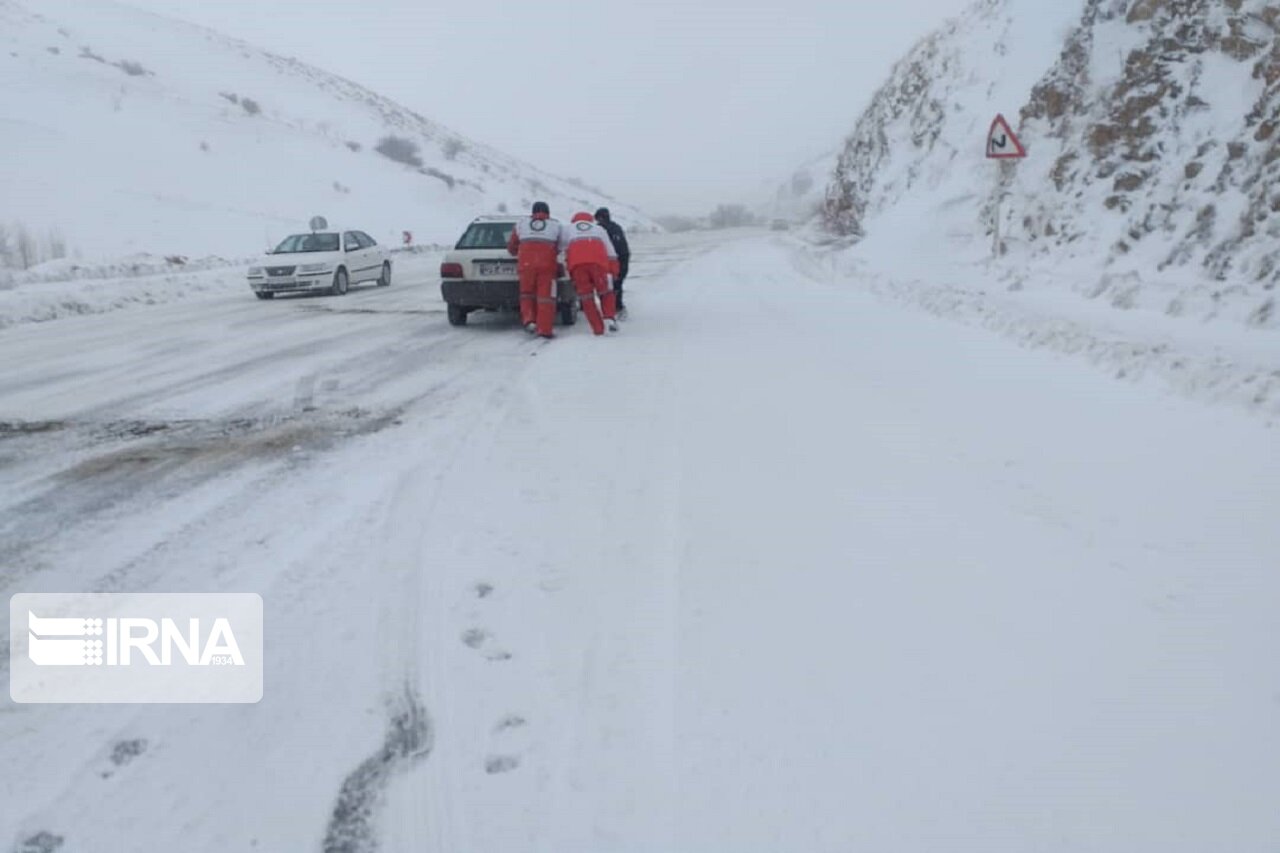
(592, 262)
(536, 242)
(619, 239)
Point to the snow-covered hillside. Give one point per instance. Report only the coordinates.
(1153, 166)
(126, 132)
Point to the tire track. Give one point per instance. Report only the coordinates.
(409, 739)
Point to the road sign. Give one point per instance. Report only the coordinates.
(1002, 144)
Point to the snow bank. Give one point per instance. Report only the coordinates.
(1116, 322)
(63, 289)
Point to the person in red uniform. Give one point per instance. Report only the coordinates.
(592, 264)
(536, 242)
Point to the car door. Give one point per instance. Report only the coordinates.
(356, 257)
(376, 253)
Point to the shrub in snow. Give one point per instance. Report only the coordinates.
(435, 173)
(400, 150)
(452, 148)
(355, 146)
(249, 105)
(133, 69)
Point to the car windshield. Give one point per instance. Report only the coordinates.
(486, 235)
(295, 243)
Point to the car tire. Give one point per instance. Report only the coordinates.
(568, 313)
(384, 280)
(264, 294)
(457, 315)
(341, 283)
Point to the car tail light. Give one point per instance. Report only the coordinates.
(451, 270)
(559, 270)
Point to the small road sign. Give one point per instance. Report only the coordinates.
(1002, 144)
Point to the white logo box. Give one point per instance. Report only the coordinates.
(89, 648)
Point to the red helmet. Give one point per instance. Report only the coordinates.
(583, 216)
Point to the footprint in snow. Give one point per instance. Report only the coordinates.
(509, 722)
(505, 731)
(124, 752)
(41, 842)
(482, 641)
(496, 764)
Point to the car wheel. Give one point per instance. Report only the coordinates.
(340, 283)
(568, 313)
(457, 315)
(384, 280)
(264, 294)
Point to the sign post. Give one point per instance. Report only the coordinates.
(1002, 145)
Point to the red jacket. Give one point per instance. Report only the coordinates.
(588, 243)
(537, 241)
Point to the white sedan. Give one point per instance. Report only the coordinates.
(329, 261)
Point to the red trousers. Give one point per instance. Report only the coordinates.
(591, 280)
(538, 297)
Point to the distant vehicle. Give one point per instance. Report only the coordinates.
(480, 275)
(327, 261)
(780, 225)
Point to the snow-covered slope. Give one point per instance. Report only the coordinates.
(923, 131)
(1153, 163)
(129, 132)
(1156, 131)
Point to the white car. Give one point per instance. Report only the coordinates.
(480, 275)
(328, 261)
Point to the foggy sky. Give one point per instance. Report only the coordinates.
(671, 106)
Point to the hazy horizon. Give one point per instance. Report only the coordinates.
(674, 109)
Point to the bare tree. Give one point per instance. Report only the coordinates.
(57, 245)
(6, 253)
(27, 251)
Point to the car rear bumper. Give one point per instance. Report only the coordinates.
(495, 294)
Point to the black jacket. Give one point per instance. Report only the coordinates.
(619, 239)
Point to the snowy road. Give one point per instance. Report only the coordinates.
(781, 567)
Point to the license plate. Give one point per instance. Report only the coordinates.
(496, 268)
